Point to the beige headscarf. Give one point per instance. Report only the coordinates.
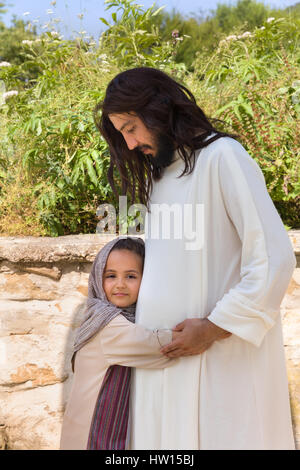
(99, 311)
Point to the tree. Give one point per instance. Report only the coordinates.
(206, 31)
(11, 47)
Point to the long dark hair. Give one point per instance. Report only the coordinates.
(165, 106)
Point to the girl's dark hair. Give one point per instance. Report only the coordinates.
(165, 107)
(131, 244)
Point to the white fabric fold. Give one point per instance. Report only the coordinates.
(234, 395)
(248, 309)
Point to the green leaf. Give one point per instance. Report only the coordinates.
(91, 171)
(95, 155)
(60, 184)
(157, 11)
(140, 31)
(247, 108)
(223, 108)
(237, 111)
(71, 157)
(75, 174)
(63, 127)
(104, 21)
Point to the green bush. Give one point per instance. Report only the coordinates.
(204, 31)
(53, 162)
(48, 129)
(252, 83)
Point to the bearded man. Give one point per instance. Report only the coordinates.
(222, 293)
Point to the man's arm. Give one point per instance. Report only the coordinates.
(249, 309)
(193, 336)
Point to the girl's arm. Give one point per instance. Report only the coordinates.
(129, 344)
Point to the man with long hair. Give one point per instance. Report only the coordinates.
(220, 285)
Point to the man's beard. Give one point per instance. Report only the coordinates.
(165, 152)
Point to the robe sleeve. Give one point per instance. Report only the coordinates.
(130, 344)
(250, 308)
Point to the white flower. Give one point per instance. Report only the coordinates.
(270, 19)
(49, 12)
(53, 3)
(232, 37)
(263, 27)
(5, 64)
(26, 13)
(29, 43)
(8, 94)
(247, 34)
(54, 33)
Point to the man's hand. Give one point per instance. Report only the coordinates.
(193, 336)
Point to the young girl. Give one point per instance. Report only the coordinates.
(107, 345)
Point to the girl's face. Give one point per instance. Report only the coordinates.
(122, 277)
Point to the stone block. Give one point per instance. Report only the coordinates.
(43, 292)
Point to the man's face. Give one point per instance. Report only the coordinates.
(160, 149)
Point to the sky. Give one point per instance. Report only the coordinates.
(39, 12)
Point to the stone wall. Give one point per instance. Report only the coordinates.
(290, 309)
(43, 288)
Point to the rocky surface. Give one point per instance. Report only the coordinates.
(43, 288)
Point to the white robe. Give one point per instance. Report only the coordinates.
(235, 394)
